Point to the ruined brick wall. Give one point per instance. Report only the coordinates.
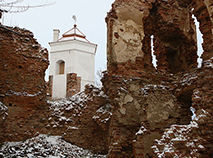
(22, 85)
(135, 103)
(147, 102)
(73, 84)
(132, 23)
(82, 119)
(49, 87)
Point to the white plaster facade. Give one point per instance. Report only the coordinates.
(77, 53)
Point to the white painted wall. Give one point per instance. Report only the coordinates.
(59, 90)
(79, 57)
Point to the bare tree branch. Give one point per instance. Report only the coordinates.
(13, 7)
(10, 3)
(99, 76)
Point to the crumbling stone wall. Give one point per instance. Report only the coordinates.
(49, 87)
(131, 25)
(73, 84)
(82, 119)
(136, 103)
(145, 101)
(24, 111)
(22, 85)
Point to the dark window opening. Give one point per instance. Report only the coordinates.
(20, 67)
(173, 60)
(61, 67)
(185, 102)
(10, 104)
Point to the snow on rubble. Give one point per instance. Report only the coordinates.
(45, 146)
(63, 115)
(2, 107)
(179, 137)
(208, 63)
(149, 87)
(66, 110)
(76, 103)
(141, 130)
(103, 114)
(11, 92)
(3, 111)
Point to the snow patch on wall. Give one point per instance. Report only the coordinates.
(180, 135)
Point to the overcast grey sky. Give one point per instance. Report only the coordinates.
(90, 20)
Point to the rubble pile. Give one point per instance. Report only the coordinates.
(45, 146)
(82, 119)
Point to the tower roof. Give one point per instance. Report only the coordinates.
(74, 34)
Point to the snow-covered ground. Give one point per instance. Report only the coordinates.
(45, 146)
(63, 113)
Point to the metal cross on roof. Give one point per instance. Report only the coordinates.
(75, 18)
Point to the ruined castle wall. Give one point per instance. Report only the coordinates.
(132, 23)
(125, 33)
(138, 104)
(82, 119)
(73, 84)
(148, 104)
(23, 89)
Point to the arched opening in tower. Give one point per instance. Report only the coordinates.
(60, 67)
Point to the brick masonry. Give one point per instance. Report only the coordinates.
(82, 119)
(143, 111)
(148, 102)
(73, 84)
(22, 85)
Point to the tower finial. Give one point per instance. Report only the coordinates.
(75, 19)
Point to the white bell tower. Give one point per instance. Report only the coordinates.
(72, 63)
